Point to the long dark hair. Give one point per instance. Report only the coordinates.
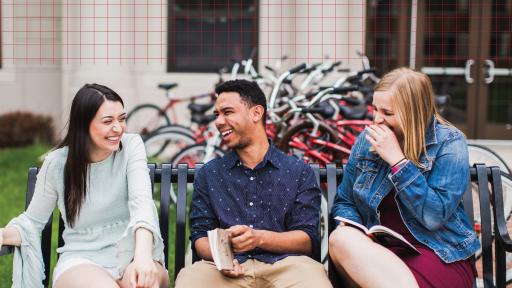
(86, 103)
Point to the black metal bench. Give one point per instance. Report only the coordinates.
(329, 178)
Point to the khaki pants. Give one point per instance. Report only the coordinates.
(292, 271)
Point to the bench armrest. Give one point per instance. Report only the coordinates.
(6, 249)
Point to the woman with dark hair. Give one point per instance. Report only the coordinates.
(98, 178)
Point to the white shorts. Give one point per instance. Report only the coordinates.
(70, 263)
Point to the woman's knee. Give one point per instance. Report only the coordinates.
(344, 240)
(86, 275)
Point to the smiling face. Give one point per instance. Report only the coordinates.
(385, 114)
(106, 129)
(236, 121)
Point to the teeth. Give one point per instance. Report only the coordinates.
(225, 133)
(113, 138)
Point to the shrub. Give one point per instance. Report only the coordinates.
(24, 128)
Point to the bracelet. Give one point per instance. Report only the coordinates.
(399, 161)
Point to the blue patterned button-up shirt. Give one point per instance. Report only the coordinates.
(280, 194)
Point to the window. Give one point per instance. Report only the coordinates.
(205, 35)
(387, 34)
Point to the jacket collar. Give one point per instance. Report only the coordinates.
(430, 137)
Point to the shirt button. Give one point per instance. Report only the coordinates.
(250, 203)
(252, 178)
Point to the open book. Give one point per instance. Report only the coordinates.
(381, 234)
(221, 249)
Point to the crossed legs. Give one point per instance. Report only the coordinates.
(368, 264)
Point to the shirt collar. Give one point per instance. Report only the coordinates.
(272, 156)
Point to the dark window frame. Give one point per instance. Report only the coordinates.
(171, 35)
(399, 47)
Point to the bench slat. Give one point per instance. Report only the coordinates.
(181, 219)
(485, 218)
(165, 194)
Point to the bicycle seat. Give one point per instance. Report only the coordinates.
(167, 86)
(203, 119)
(354, 113)
(199, 108)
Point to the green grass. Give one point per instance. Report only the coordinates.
(14, 164)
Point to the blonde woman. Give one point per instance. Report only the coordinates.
(408, 171)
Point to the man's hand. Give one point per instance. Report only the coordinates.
(243, 238)
(237, 271)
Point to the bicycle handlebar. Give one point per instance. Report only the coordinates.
(270, 68)
(297, 68)
(366, 71)
(326, 111)
(344, 90)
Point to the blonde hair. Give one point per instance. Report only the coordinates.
(413, 101)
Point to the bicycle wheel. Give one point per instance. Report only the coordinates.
(300, 142)
(482, 154)
(161, 147)
(175, 128)
(191, 155)
(195, 154)
(506, 180)
(146, 118)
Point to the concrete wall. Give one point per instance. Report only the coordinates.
(94, 43)
(52, 47)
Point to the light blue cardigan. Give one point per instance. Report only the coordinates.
(118, 202)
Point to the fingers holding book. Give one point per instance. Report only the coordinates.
(243, 238)
(236, 272)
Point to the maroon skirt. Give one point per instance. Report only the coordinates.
(428, 269)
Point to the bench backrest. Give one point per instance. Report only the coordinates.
(328, 177)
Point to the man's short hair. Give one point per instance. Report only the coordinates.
(249, 92)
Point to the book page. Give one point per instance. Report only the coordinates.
(352, 224)
(388, 237)
(380, 234)
(220, 247)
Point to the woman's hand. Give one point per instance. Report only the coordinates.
(145, 273)
(385, 143)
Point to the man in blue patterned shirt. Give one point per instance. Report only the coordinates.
(268, 201)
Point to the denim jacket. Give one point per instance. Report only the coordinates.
(429, 198)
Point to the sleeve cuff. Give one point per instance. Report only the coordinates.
(404, 176)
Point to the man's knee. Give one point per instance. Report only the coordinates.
(303, 271)
(197, 274)
(188, 277)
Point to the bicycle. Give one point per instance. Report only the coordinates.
(482, 154)
(146, 118)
